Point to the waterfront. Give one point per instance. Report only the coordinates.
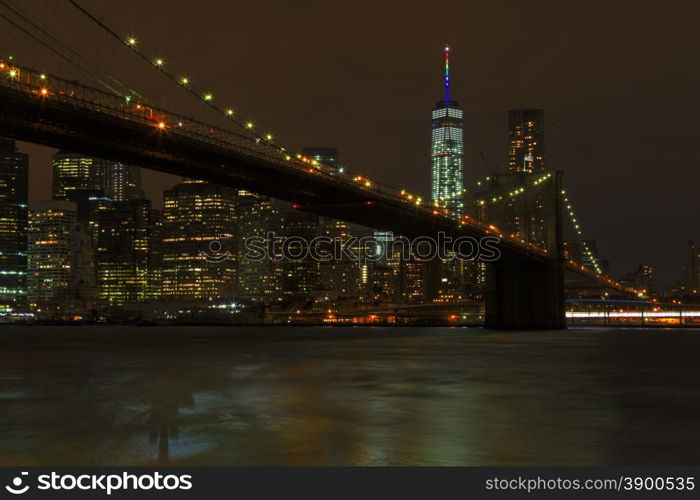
(348, 396)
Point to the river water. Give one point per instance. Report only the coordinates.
(348, 396)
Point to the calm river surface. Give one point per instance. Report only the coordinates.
(348, 396)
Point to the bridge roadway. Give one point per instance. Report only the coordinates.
(48, 110)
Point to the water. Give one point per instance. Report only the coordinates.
(348, 396)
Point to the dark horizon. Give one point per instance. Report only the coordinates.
(614, 79)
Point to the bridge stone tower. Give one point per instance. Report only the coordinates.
(520, 292)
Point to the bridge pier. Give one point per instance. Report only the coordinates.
(525, 295)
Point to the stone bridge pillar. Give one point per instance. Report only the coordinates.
(525, 292)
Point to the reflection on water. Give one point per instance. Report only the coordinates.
(347, 396)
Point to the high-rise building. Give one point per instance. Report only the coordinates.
(199, 245)
(61, 272)
(50, 254)
(76, 176)
(447, 149)
(259, 216)
(121, 232)
(14, 195)
(83, 272)
(80, 178)
(155, 256)
(526, 140)
(691, 269)
(641, 279)
(301, 276)
(122, 182)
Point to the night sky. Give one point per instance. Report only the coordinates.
(618, 80)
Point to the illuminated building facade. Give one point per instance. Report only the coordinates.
(301, 276)
(259, 279)
(199, 244)
(121, 232)
(76, 176)
(447, 150)
(691, 269)
(14, 197)
(52, 229)
(79, 178)
(526, 140)
(155, 256)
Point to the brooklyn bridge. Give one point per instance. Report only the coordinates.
(52, 95)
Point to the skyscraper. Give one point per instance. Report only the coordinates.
(122, 182)
(526, 140)
(50, 253)
(121, 231)
(60, 255)
(301, 276)
(447, 149)
(78, 178)
(14, 196)
(199, 246)
(691, 269)
(258, 216)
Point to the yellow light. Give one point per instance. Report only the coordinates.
(42, 76)
(184, 80)
(131, 41)
(159, 62)
(249, 125)
(229, 112)
(161, 125)
(268, 137)
(13, 73)
(208, 97)
(44, 92)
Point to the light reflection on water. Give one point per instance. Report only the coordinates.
(347, 396)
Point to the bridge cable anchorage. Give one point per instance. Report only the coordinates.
(185, 83)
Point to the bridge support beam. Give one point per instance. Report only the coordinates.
(525, 295)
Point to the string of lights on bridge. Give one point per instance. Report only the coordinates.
(577, 228)
(207, 97)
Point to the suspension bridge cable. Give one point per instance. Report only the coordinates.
(54, 50)
(182, 82)
(95, 69)
(568, 206)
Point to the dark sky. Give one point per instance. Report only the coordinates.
(618, 80)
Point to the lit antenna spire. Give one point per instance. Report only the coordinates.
(447, 74)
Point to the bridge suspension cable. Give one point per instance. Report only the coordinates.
(185, 83)
(55, 45)
(568, 207)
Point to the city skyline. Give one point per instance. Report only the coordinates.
(307, 233)
(595, 106)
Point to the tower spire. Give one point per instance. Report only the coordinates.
(447, 74)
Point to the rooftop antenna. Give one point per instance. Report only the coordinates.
(447, 74)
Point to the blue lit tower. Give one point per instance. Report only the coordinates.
(447, 149)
